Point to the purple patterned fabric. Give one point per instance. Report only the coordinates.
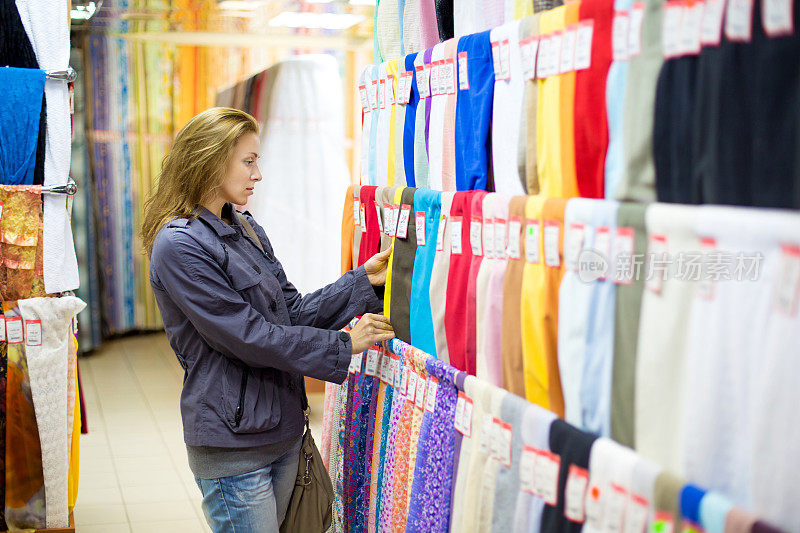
(351, 438)
(427, 58)
(363, 452)
(398, 401)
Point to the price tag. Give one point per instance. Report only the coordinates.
(552, 257)
(624, 267)
(380, 217)
(385, 367)
(635, 32)
(656, 251)
(435, 70)
(33, 333)
(573, 245)
(583, 45)
(409, 77)
(363, 219)
(382, 94)
(388, 220)
(411, 392)
(372, 94)
(430, 396)
(527, 464)
(420, 228)
(711, 29)
(568, 49)
(455, 235)
(355, 363)
(691, 27)
(362, 92)
(542, 59)
(488, 238)
(739, 20)
(575, 494)
(440, 233)
(390, 89)
(475, 235)
(503, 435)
(356, 211)
(463, 418)
(671, 21)
(422, 81)
(546, 473)
(371, 368)
(787, 282)
(663, 523)
(777, 17)
(487, 435)
(498, 71)
(422, 386)
(638, 511)
(500, 238)
(2, 328)
(594, 507)
(556, 40)
(602, 244)
(402, 223)
(619, 35)
(528, 49)
(514, 228)
(401, 89)
(405, 376)
(450, 69)
(532, 254)
(705, 287)
(505, 59)
(615, 508)
(463, 72)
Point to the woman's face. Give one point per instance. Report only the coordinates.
(242, 173)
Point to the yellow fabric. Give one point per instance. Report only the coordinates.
(74, 457)
(569, 185)
(391, 68)
(522, 9)
(387, 292)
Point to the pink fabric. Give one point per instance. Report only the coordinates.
(455, 314)
(493, 14)
(470, 348)
(493, 315)
(428, 27)
(449, 147)
(327, 422)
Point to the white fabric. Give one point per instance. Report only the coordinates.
(303, 167)
(436, 131)
(388, 29)
(535, 429)
(609, 463)
(488, 480)
(365, 79)
(507, 108)
(439, 273)
(474, 389)
(661, 352)
(48, 369)
(412, 39)
(72, 391)
(465, 15)
(399, 127)
(384, 127)
(482, 298)
(643, 484)
(47, 27)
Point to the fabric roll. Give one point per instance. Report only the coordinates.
(421, 130)
(645, 473)
(409, 123)
(638, 180)
(375, 451)
(440, 274)
(336, 453)
(387, 29)
(660, 368)
(355, 382)
(47, 367)
(491, 468)
(373, 76)
(388, 195)
(512, 412)
(348, 231)
(383, 131)
(474, 113)
(666, 497)
(611, 467)
(392, 69)
(423, 449)
(418, 359)
(386, 479)
(473, 268)
(460, 379)
(438, 105)
(449, 122)
(402, 268)
(739, 521)
(507, 107)
(491, 14)
(481, 293)
(520, 9)
(363, 452)
(526, 159)
(428, 25)
(402, 451)
(465, 13)
(412, 41)
(574, 447)
(714, 509)
(455, 318)
(356, 239)
(387, 415)
(511, 344)
(401, 9)
(626, 331)
(567, 114)
(690, 499)
(370, 239)
(444, 19)
(476, 391)
(421, 317)
(21, 109)
(493, 308)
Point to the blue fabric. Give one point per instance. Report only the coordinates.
(387, 420)
(373, 134)
(20, 109)
(691, 496)
(616, 85)
(714, 510)
(598, 364)
(474, 114)
(421, 317)
(409, 127)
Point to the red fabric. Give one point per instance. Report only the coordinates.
(471, 349)
(371, 240)
(591, 121)
(455, 312)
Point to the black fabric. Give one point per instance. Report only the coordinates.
(574, 447)
(444, 18)
(405, 251)
(16, 51)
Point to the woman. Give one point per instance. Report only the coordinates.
(242, 333)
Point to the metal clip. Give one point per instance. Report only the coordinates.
(68, 75)
(70, 189)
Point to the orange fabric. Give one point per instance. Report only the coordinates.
(511, 344)
(348, 227)
(570, 184)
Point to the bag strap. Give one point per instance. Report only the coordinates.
(249, 229)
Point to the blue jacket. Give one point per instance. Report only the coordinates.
(243, 334)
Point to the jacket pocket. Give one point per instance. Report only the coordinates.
(249, 398)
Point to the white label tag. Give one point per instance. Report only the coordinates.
(692, 27)
(371, 368)
(380, 217)
(615, 509)
(401, 89)
(422, 81)
(463, 71)
(711, 29)
(623, 258)
(498, 74)
(487, 434)
(455, 235)
(636, 515)
(532, 254)
(787, 282)
(672, 13)
(411, 386)
(390, 99)
(463, 418)
(514, 228)
(363, 219)
(430, 396)
(33, 333)
(409, 77)
(436, 88)
(573, 245)
(583, 45)
(422, 386)
(14, 330)
(388, 220)
(500, 238)
(602, 245)
(575, 494)
(502, 443)
(405, 376)
(568, 49)
(527, 464)
(777, 17)
(450, 69)
(705, 287)
(2, 328)
(385, 367)
(739, 20)
(402, 223)
(529, 48)
(556, 41)
(372, 94)
(440, 233)
(635, 31)
(619, 35)
(488, 238)
(656, 256)
(356, 211)
(595, 499)
(542, 59)
(552, 257)
(546, 473)
(419, 227)
(505, 59)
(355, 363)
(362, 92)
(382, 94)
(475, 236)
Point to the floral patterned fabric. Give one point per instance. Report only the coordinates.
(21, 242)
(387, 485)
(403, 447)
(352, 430)
(337, 457)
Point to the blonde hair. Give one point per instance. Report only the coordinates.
(193, 169)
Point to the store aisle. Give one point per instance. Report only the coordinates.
(134, 474)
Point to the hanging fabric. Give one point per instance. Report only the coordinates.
(20, 110)
(511, 345)
(440, 276)
(428, 205)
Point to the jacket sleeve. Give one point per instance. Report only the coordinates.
(332, 306)
(194, 280)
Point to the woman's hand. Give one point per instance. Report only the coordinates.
(376, 266)
(371, 329)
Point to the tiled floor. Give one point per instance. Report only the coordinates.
(134, 476)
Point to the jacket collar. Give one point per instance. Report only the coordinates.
(217, 224)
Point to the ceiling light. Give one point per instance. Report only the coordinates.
(326, 21)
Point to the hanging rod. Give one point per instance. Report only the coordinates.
(70, 189)
(63, 75)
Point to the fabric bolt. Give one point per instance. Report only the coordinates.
(348, 231)
(467, 446)
(449, 123)
(373, 134)
(356, 238)
(21, 110)
(383, 133)
(508, 104)
(403, 257)
(350, 457)
(534, 431)
(338, 452)
(391, 96)
(428, 26)
(401, 9)
(420, 312)
(473, 115)
(626, 331)
(418, 359)
(362, 462)
(714, 509)
(392, 196)
(610, 464)
(327, 422)
(645, 473)
(387, 29)
(440, 275)
(370, 240)
(421, 160)
(548, 118)
(491, 14)
(660, 369)
(574, 448)
(465, 13)
(491, 469)
(481, 293)
(567, 114)
(513, 411)
(377, 444)
(511, 342)
(423, 444)
(739, 521)
(412, 41)
(444, 19)
(521, 8)
(365, 79)
(403, 446)
(387, 480)
(638, 179)
(435, 129)
(526, 157)
(409, 123)
(455, 317)
(493, 326)
(471, 300)
(386, 414)
(460, 383)
(666, 497)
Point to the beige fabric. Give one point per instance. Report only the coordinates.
(438, 288)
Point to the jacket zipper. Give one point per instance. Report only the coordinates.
(240, 405)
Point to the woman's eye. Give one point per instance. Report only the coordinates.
(249, 161)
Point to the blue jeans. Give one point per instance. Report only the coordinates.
(255, 502)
